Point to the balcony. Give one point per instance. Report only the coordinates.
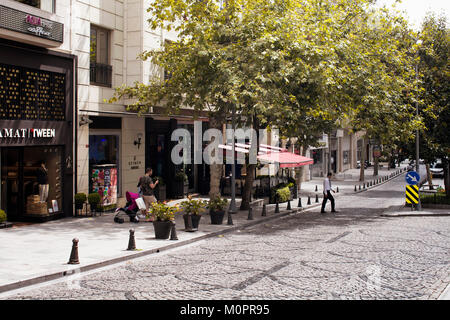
(101, 74)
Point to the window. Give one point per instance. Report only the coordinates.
(46, 5)
(101, 70)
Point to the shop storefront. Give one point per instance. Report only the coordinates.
(36, 132)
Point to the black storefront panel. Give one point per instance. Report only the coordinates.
(36, 129)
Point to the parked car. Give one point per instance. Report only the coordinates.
(366, 164)
(437, 169)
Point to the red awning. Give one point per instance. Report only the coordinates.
(271, 154)
(285, 159)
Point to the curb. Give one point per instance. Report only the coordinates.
(62, 274)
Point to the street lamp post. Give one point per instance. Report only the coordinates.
(419, 206)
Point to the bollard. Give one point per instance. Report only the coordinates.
(289, 205)
(316, 187)
(131, 241)
(317, 198)
(299, 205)
(250, 214)
(355, 187)
(74, 253)
(309, 200)
(230, 219)
(173, 232)
(277, 208)
(337, 189)
(264, 211)
(359, 187)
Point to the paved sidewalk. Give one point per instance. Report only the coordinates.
(40, 252)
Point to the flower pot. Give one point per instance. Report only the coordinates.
(178, 189)
(195, 220)
(161, 196)
(78, 205)
(216, 216)
(162, 229)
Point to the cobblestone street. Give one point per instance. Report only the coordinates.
(354, 254)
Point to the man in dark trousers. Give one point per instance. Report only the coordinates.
(327, 193)
(146, 184)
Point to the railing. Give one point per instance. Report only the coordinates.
(101, 74)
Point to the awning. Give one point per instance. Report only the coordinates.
(271, 154)
(285, 159)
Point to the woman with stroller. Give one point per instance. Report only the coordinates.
(146, 186)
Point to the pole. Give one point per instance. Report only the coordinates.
(419, 206)
(233, 166)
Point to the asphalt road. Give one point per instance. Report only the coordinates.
(354, 254)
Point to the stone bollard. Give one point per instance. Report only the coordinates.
(131, 241)
(264, 211)
(250, 214)
(309, 200)
(277, 208)
(299, 205)
(289, 205)
(173, 232)
(74, 253)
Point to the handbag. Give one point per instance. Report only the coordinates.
(141, 204)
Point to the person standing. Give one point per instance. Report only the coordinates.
(147, 188)
(42, 179)
(327, 193)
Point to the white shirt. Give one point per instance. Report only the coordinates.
(326, 185)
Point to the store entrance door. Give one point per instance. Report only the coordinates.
(11, 198)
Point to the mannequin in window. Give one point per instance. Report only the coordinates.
(42, 178)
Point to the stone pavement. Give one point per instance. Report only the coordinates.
(37, 253)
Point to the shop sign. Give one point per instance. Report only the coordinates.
(24, 22)
(134, 164)
(39, 26)
(27, 133)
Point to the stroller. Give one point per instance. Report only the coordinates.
(131, 209)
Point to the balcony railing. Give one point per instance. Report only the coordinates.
(101, 74)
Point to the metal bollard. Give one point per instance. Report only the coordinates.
(131, 241)
(264, 211)
(337, 189)
(289, 205)
(230, 219)
(250, 214)
(299, 205)
(316, 188)
(317, 198)
(359, 187)
(277, 208)
(355, 188)
(173, 232)
(309, 200)
(74, 253)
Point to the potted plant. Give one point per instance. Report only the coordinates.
(3, 217)
(80, 199)
(179, 186)
(217, 209)
(163, 215)
(192, 209)
(160, 189)
(94, 199)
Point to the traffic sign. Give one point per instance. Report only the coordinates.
(412, 177)
(412, 194)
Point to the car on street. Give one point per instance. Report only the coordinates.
(437, 169)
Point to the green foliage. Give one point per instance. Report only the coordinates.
(181, 177)
(217, 204)
(80, 198)
(94, 198)
(283, 194)
(163, 212)
(439, 198)
(192, 206)
(3, 216)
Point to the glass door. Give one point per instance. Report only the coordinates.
(11, 182)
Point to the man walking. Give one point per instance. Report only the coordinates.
(146, 185)
(327, 193)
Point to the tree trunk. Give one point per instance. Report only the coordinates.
(375, 166)
(363, 160)
(250, 169)
(429, 177)
(215, 169)
(446, 177)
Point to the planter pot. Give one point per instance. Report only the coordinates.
(178, 189)
(216, 216)
(162, 229)
(195, 220)
(78, 206)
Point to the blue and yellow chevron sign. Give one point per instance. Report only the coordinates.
(412, 194)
